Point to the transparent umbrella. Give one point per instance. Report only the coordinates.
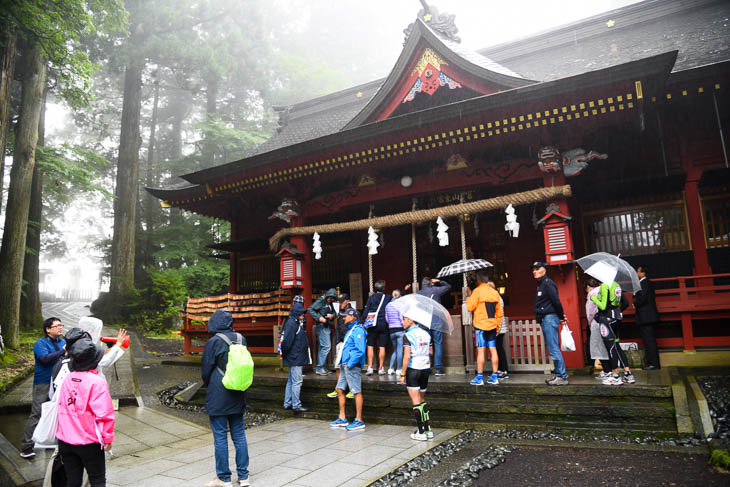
(425, 311)
(608, 268)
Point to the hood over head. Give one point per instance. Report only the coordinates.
(221, 321)
(331, 293)
(297, 310)
(85, 354)
(75, 334)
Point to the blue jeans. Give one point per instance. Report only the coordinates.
(550, 326)
(293, 388)
(438, 344)
(324, 345)
(396, 338)
(219, 425)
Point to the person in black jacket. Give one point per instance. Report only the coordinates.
(323, 315)
(224, 406)
(378, 334)
(647, 317)
(295, 354)
(549, 313)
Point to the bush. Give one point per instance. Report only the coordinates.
(720, 458)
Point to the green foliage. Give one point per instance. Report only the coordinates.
(720, 458)
(302, 78)
(58, 27)
(231, 143)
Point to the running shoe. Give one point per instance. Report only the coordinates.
(503, 374)
(493, 380)
(429, 434)
(381, 371)
(477, 381)
(321, 372)
(339, 423)
(558, 381)
(27, 453)
(603, 375)
(391, 371)
(629, 377)
(370, 371)
(349, 395)
(614, 380)
(419, 436)
(439, 372)
(332, 394)
(356, 425)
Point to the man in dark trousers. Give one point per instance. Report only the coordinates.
(647, 317)
(549, 313)
(47, 350)
(436, 289)
(324, 315)
(295, 354)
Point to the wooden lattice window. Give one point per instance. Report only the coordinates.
(646, 229)
(716, 213)
(258, 273)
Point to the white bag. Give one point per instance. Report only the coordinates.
(44, 435)
(567, 344)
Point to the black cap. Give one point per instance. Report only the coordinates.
(537, 264)
(343, 297)
(352, 312)
(75, 334)
(85, 355)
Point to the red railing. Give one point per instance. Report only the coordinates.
(691, 298)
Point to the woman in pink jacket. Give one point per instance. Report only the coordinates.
(85, 417)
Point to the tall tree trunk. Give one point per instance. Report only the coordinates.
(125, 204)
(30, 301)
(176, 216)
(7, 67)
(211, 108)
(12, 252)
(151, 204)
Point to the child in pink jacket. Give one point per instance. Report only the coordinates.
(85, 417)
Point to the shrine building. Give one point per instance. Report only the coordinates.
(606, 134)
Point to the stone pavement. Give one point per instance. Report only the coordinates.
(153, 449)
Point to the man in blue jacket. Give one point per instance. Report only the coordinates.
(436, 289)
(295, 354)
(224, 406)
(48, 350)
(353, 358)
(549, 313)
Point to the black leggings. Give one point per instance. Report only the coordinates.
(76, 458)
(616, 355)
(501, 354)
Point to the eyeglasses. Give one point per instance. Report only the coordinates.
(60, 325)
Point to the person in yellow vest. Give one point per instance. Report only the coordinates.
(486, 306)
(611, 303)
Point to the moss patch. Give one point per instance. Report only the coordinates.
(720, 458)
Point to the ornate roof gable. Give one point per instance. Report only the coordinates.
(432, 61)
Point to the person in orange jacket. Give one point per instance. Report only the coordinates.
(484, 302)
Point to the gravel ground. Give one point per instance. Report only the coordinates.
(160, 347)
(575, 466)
(717, 392)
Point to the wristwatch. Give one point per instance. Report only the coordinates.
(402, 374)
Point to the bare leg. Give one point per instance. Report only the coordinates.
(381, 357)
(416, 396)
(341, 400)
(358, 405)
(371, 353)
(495, 359)
(480, 360)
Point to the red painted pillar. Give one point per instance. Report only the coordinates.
(565, 278)
(302, 243)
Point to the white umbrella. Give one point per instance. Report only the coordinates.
(425, 311)
(608, 268)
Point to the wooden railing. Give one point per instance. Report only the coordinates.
(691, 298)
(525, 345)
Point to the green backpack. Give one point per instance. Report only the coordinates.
(239, 370)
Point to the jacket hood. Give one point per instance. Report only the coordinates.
(85, 354)
(75, 334)
(221, 321)
(331, 293)
(297, 310)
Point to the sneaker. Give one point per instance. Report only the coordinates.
(321, 372)
(419, 436)
(339, 423)
(332, 394)
(477, 381)
(356, 425)
(244, 483)
(613, 380)
(218, 483)
(27, 453)
(603, 375)
(558, 381)
(439, 372)
(629, 378)
(391, 371)
(493, 380)
(370, 371)
(349, 395)
(503, 374)
(381, 371)
(429, 434)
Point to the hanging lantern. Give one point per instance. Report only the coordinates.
(291, 267)
(317, 246)
(556, 231)
(511, 226)
(441, 232)
(373, 243)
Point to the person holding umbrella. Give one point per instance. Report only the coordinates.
(417, 367)
(486, 305)
(549, 313)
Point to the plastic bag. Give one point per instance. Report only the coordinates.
(567, 344)
(44, 435)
